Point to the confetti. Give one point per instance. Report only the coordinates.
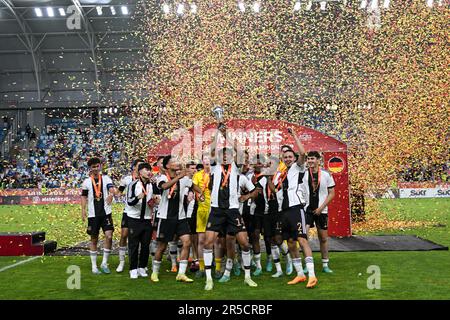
(375, 79)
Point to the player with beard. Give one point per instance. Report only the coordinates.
(291, 198)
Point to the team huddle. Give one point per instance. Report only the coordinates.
(214, 215)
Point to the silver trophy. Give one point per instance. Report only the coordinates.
(218, 114)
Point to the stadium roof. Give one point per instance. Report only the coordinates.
(42, 60)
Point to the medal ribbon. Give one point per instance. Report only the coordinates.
(144, 188)
(97, 187)
(205, 181)
(280, 183)
(226, 175)
(255, 178)
(315, 186)
(204, 186)
(172, 188)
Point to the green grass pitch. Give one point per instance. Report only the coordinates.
(404, 275)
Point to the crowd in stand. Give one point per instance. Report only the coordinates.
(59, 158)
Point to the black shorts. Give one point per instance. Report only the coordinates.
(256, 223)
(169, 228)
(248, 221)
(267, 225)
(320, 221)
(277, 224)
(273, 207)
(124, 223)
(225, 221)
(293, 223)
(103, 222)
(155, 223)
(192, 221)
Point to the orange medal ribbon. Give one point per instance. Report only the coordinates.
(172, 188)
(255, 178)
(204, 186)
(97, 187)
(282, 178)
(144, 189)
(226, 176)
(206, 181)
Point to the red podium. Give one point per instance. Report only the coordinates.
(25, 244)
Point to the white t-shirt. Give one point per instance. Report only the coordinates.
(106, 185)
(124, 183)
(326, 181)
(294, 192)
(263, 183)
(134, 204)
(183, 185)
(245, 182)
(234, 188)
(190, 206)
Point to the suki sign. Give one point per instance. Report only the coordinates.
(425, 193)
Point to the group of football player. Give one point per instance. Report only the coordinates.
(218, 213)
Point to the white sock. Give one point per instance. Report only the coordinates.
(285, 250)
(106, 253)
(153, 246)
(208, 257)
(183, 266)
(310, 265)
(325, 262)
(257, 258)
(173, 252)
(228, 267)
(156, 266)
(122, 253)
(246, 260)
(298, 267)
(93, 255)
(276, 258)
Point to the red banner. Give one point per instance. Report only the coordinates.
(36, 196)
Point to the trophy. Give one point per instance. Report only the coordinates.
(218, 114)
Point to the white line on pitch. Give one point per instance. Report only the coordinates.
(19, 263)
